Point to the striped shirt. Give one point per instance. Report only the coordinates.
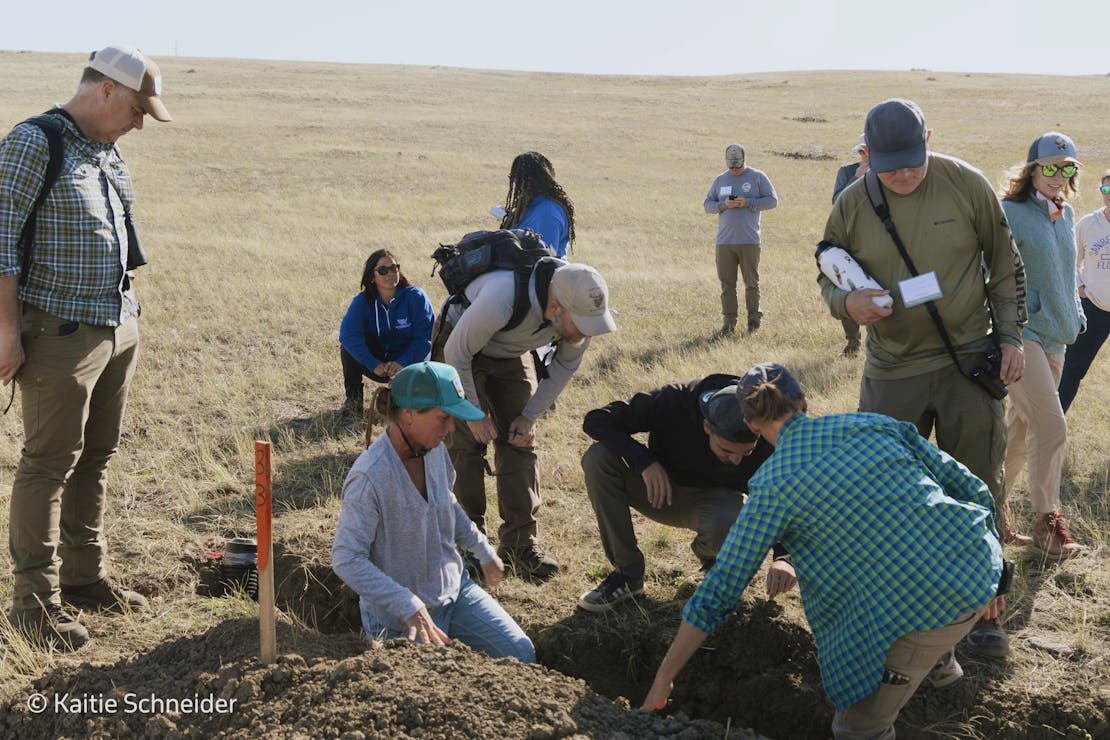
(888, 535)
(80, 244)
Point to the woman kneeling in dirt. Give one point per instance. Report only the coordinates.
(893, 541)
(395, 544)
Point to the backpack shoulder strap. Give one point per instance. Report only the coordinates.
(53, 132)
(876, 196)
(543, 269)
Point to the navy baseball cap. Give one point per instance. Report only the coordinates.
(769, 372)
(721, 408)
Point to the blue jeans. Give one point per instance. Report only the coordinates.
(475, 619)
(1081, 354)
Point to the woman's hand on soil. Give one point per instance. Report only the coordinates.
(780, 578)
(657, 696)
(423, 629)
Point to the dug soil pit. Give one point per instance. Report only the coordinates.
(327, 686)
(759, 671)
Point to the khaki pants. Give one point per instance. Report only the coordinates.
(1036, 429)
(911, 656)
(969, 424)
(614, 489)
(74, 384)
(504, 387)
(730, 259)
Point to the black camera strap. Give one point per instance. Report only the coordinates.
(878, 202)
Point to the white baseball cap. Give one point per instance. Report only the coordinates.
(131, 68)
(582, 291)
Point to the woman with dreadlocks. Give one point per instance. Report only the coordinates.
(535, 201)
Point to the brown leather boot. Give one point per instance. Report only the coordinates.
(49, 625)
(1051, 536)
(103, 595)
(1011, 536)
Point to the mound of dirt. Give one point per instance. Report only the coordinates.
(760, 669)
(326, 686)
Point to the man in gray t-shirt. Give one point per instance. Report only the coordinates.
(737, 196)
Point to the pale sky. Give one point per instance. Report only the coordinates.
(649, 37)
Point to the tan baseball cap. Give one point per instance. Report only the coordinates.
(131, 68)
(582, 291)
(735, 155)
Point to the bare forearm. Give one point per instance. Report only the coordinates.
(686, 642)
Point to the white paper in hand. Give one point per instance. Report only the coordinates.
(839, 267)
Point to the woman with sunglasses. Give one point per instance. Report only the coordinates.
(1092, 236)
(1043, 225)
(400, 529)
(387, 327)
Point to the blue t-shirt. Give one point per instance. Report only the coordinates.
(548, 219)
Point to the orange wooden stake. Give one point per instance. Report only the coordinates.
(264, 514)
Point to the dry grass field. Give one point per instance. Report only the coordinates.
(258, 205)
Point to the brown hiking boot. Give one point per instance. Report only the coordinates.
(529, 562)
(851, 349)
(1051, 536)
(1011, 536)
(728, 328)
(104, 595)
(49, 625)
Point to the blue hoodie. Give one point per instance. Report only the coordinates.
(400, 332)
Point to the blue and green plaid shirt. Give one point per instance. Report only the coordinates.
(888, 535)
(80, 244)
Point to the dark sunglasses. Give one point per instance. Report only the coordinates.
(1104, 189)
(1068, 170)
(386, 269)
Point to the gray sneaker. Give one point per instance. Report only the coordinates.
(49, 625)
(616, 587)
(946, 672)
(987, 640)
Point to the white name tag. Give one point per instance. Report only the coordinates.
(920, 289)
(724, 192)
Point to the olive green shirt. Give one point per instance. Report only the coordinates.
(951, 224)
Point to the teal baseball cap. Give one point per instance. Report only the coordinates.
(426, 385)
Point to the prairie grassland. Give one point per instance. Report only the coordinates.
(260, 201)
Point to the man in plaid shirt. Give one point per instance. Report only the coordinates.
(892, 539)
(69, 335)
